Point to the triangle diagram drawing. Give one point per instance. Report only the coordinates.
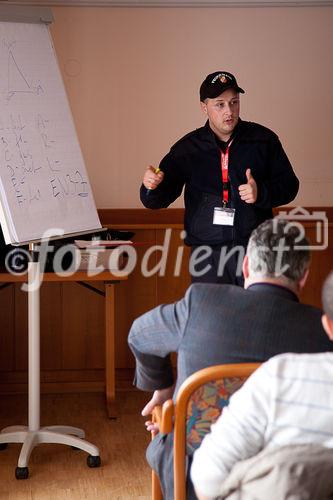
(17, 81)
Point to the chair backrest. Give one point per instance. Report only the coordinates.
(205, 406)
(200, 400)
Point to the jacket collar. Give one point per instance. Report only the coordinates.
(209, 135)
(278, 290)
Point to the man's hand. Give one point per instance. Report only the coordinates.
(159, 397)
(152, 177)
(249, 191)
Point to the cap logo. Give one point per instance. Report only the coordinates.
(222, 77)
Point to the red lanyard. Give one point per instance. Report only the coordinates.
(224, 168)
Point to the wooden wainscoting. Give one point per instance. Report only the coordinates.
(72, 317)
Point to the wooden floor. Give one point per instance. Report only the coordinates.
(59, 473)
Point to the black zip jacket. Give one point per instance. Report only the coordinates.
(195, 161)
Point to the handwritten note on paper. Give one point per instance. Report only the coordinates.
(43, 179)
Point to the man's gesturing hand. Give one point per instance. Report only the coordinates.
(152, 177)
(248, 192)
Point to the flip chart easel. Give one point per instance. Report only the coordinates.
(43, 187)
(33, 434)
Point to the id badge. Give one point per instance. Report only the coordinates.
(223, 216)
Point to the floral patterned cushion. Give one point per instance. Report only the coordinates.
(205, 406)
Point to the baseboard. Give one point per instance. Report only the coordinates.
(18, 384)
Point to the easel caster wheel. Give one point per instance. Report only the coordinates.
(3, 446)
(93, 461)
(21, 472)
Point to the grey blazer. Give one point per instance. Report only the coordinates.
(215, 324)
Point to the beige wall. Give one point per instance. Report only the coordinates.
(132, 77)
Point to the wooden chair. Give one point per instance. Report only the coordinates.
(200, 400)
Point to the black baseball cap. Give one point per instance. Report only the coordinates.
(216, 83)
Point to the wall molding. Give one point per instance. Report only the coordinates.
(173, 3)
(166, 217)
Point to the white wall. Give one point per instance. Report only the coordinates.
(132, 77)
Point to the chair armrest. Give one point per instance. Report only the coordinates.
(163, 416)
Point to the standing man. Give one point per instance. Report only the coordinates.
(233, 171)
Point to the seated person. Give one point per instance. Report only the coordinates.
(287, 401)
(216, 324)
